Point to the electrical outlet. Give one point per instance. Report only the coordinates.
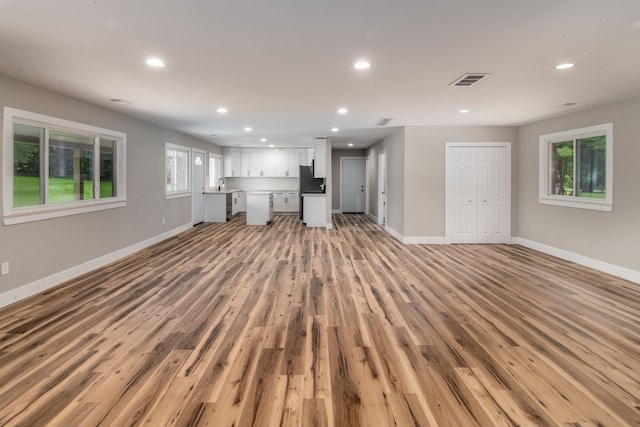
(5, 268)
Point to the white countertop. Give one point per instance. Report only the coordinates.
(220, 192)
(259, 193)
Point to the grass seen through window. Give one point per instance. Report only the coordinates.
(27, 190)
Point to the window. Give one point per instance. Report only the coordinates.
(215, 169)
(177, 183)
(54, 167)
(576, 168)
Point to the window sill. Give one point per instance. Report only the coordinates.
(177, 195)
(23, 215)
(581, 204)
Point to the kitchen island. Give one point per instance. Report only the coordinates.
(259, 207)
(218, 205)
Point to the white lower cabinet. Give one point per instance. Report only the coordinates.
(279, 201)
(293, 201)
(314, 210)
(286, 201)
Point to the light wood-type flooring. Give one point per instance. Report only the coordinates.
(235, 325)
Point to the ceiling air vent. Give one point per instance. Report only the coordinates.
(469, 79)
(383, 121)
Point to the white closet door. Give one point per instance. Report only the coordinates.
(491, 195)
(477, 202)
(462, 195)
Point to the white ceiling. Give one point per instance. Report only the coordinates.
(284, 67)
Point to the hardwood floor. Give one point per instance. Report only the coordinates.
(230, 325)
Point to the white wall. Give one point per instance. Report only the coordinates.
(41, 249)
(610, 237)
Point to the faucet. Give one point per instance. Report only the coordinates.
(220, 180)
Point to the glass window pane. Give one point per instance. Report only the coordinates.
(70, 167)
(108, 186)
(177, 170)
(28, 143)
(214, 170)
(561, 168)
(591, 168)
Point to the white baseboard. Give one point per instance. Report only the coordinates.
(45, 283)
(373, 217)
(337, 211)
(394, 233)
(605, 267)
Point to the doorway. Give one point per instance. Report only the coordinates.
(353, 183)
(197, 187)
(382, 188)
(478, 192)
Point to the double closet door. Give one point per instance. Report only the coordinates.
(477, 193)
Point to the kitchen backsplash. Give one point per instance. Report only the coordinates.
(257, 184)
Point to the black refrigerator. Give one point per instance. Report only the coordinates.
(309, 184)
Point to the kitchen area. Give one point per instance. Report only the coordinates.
(263, 182)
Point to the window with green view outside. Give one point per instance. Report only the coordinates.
(576, 168)
(54, 167)
(579, 168)
(70, 160)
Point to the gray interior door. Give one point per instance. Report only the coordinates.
(353, 185)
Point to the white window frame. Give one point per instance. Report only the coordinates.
(181, 192)
(545, 196)
(24, 214)
(212, 178)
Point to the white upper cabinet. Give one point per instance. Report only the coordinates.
(293, 164)
(282, 163)
(320, 158)
(232, 160)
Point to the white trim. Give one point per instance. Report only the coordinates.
(544, 169)
(205, 184)
(373, 217)
(382, 182)
(336, 211)
(45, 283)
(394, 233)
(60, 212)
(605, 267)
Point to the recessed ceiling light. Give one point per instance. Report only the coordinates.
(155, 62)
(362, 65)
(334, 129)
(350, 144)
(342, 111)
(464, 111)
(263, 139)
(564, 66)
(248, 129)
(222, 110)
(271, 145)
